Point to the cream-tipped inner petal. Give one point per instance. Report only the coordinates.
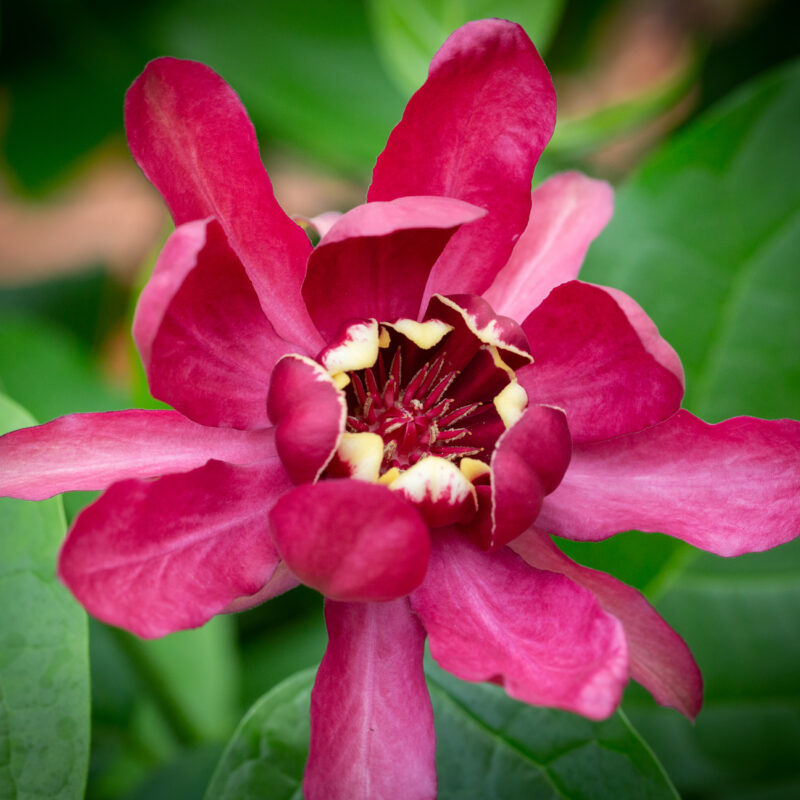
(424, 334)
(510, 403)
(358, 348)
(363, 453)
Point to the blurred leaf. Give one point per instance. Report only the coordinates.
(742, 620)
(308, 73)
(409, 32)
(67, 65)
(44, 663)
(487, 746)
(267, 754)
(577, 136)
(281, 651)
(46, 368)
(706, 237)
(200, 668)
(185, 777)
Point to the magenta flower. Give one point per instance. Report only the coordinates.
(367, 418)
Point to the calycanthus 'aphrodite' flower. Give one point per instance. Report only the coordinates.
(367, 417)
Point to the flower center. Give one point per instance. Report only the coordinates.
(414, 415)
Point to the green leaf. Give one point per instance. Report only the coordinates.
(706, 237)
(308, 73)
(741, 619)
(268, 751)
(487, 746)
(44, 669)
(208, 696)
(409, 32)
(55, 375)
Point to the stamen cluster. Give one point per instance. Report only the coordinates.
(414, 417)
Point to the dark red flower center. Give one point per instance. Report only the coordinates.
(416, 417)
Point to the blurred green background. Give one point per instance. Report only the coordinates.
(677, 102)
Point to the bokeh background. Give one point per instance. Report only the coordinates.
(706, 237)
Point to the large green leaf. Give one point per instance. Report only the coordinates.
(706, 237)
(487, 746)
(409, 32)
(44, 669)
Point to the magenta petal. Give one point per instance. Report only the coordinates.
(528, 463)
(309, 414)
(351, 540)
(92, 451)
(176, 260)
(474, 131)
(207, 347)
(588, 360)
(372, 730)
(489, 616)
(375, 261)
(160, 556)
(658, 347)
(659, 658)
(191, 136)
(730, 488)
(282, 580)
(568, 211)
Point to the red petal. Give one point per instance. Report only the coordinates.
(588, 360)
(191, 136)
(375, 261)
(351, 540)
(659, 658)
(160, 556)
(658, 347)
(207, 347)
(529, 462)
(730, 488)
(371, 718)
(489, 616)
(568, 212)
(92, 451)
(309, 413)
(474, 131)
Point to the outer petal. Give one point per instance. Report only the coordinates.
(207, 347)
(92, 451)
(588, 360)
(371, 719)
(658, 347)
(474, 131)
(351, 540)
(309, 414)
(489, 616)
(282, 580)
(159, 556)
(375, 261)
(659, 658)
(191, 136)
(730, 488)
(568, 212)
(177, 259)
(529, 462)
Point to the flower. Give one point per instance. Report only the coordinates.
(368, 418)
